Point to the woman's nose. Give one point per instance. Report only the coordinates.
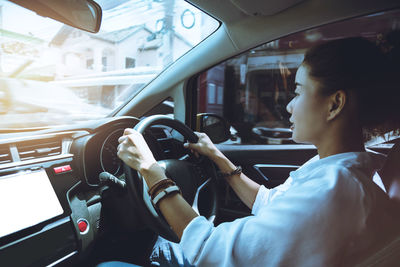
(289, 107)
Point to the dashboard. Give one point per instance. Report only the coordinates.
(50, 191)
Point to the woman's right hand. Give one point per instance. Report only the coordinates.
(204, 146)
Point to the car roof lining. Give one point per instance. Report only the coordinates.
(264, 8)
(234, 10)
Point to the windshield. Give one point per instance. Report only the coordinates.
(51, 73)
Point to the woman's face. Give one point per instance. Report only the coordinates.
(309, 109)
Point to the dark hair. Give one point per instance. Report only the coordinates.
(357, 64)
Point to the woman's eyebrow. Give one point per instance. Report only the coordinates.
(298, 84)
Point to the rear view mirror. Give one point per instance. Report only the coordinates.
(81, 14)
(214, 126)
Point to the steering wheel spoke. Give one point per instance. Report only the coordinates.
(195, 204)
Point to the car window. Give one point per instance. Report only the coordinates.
(51, 73)
(251, 90)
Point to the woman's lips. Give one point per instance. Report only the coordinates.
(292, 127)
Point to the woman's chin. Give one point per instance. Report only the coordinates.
(300, 140)
(296, 138)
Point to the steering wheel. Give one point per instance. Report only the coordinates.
(191, 174)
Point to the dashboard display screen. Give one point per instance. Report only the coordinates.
(26, 199)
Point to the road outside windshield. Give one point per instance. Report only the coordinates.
(52, 74)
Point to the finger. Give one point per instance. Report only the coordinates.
(122, 148)
(131, 138)
(128, 131)
(188, 145)
(122, 139)
(120, 151)
(199, 134)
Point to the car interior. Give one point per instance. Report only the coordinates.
(66, 199)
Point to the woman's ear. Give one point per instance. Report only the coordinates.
(336, 104)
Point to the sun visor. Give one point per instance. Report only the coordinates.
(263, 7)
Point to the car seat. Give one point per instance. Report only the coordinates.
(388, 253)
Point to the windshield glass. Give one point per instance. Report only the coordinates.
(51, 73)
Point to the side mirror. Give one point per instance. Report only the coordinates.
(216, 127)
(81, 14)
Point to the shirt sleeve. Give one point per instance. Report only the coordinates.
(261, 199)
(264, 195)
(304, 226)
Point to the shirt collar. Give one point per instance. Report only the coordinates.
(368, 162)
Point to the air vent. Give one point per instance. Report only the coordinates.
(39, 149)
(5, 156)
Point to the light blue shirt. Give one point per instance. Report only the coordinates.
(320, 216)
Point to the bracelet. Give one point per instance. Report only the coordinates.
(236, 171)
(160, 184)
(165, 192)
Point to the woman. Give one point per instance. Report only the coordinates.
(328, 212)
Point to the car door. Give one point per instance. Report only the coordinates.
(251, 91)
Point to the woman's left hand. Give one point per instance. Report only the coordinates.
(134, 151)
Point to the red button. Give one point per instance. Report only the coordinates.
(62, 169)
(82, 225)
